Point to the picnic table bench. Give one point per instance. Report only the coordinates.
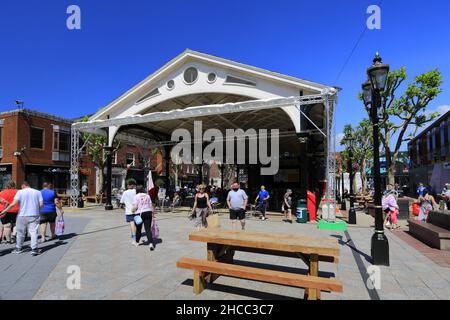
(364, 201)
(222, 244)
(64, 199)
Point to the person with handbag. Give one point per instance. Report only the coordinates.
(143, 207)
(390, 207)
(201, 206)
(48, 211)
(427, 204)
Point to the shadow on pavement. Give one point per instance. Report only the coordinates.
(273, 267)
(241, 291)
(346, 243)
(51, 246)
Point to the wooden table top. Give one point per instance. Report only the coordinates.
(270, 241)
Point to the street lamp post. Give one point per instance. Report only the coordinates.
(344, 202)
(378, 74)
(351, 212)
(108, 152)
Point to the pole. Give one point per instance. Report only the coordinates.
(222, 167)
(351, 212)
(108, 151)
(344, 202)
(380, 244)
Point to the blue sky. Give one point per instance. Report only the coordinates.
(72, 73)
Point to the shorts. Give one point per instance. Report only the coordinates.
(237, 214)
(10, 217)
(48, 217)
(130, 217)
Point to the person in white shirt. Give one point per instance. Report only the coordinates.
(127, 199)
(31, 202)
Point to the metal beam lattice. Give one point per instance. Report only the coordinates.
(74, 166)
(328, 97)
(330, 102)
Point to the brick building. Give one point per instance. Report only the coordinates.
(34, 146)
(429, 152)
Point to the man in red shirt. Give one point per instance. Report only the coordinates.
(8, 220)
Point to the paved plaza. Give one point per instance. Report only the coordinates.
(98, 241)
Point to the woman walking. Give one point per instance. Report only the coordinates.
(201, 206)
(390, 207)
(287, 206)
(48, 211)
(427, 204)
(142, 205)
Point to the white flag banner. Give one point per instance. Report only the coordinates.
(150, 184)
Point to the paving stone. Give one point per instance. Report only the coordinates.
(111, 268)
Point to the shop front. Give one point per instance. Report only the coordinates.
(5, 175)
(36, 175)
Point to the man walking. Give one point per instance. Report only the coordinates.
(263, 196)
(30, 201)
(237, 202)
(127, 200)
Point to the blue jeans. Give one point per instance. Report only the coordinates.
(263, 207)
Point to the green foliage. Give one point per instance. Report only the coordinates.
(362, 143)
(401, 113)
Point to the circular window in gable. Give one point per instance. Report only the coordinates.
(190, 75)
(212, 77)
(170, 84)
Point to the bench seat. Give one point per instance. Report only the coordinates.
(204, 267)
(430, 234)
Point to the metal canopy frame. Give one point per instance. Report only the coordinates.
(328, 97)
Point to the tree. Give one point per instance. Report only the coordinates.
(362, 148)
(400, 114)
(94, 146)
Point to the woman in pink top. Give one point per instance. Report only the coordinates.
(142, 205)
(390, 206)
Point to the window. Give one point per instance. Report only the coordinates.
(212, 77)
(152, 93)
(1, 137)
(170, 84)
(236, 80)
(130, 158)
(61, 141)
(190, 75)
(37, 138)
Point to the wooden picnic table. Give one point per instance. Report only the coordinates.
(64, 199)
(222, 244)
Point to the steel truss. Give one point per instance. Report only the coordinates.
(328, 98)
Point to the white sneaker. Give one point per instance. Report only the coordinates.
(134, 243)
(152, 247)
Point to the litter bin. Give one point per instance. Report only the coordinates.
(302, 211)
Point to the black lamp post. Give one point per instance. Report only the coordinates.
(108, 153)
(344, 202)
(378, 74)
(351, 212)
